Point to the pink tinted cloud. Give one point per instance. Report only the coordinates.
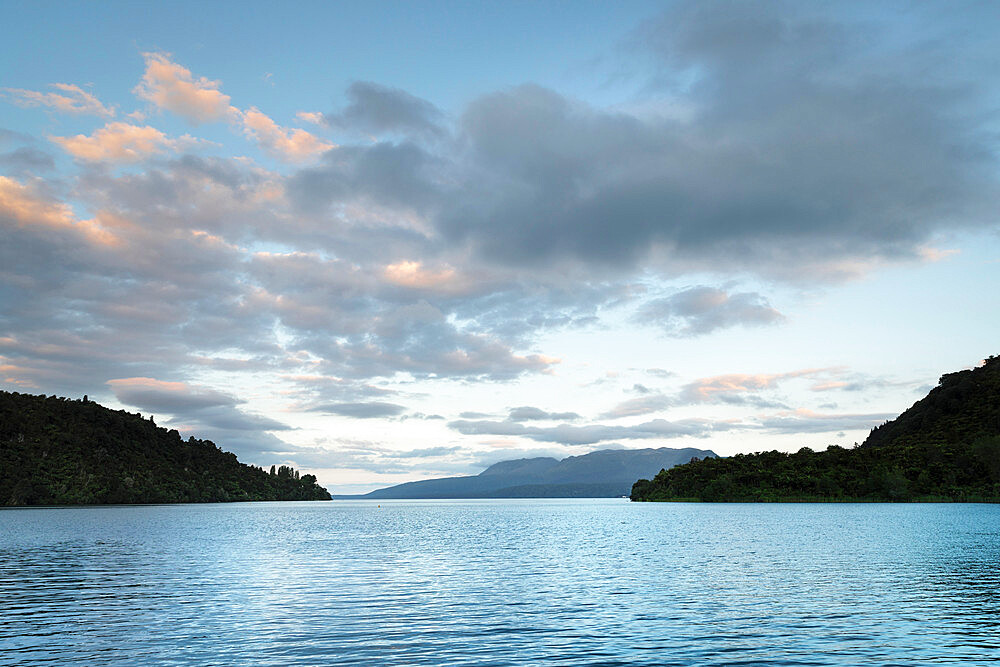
(705, 390)
(121, 142)
(415, 275)
(172, 87)
(282, 143)
(26, 209)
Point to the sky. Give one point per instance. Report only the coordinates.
(384, 242)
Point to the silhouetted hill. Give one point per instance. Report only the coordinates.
(56, 451)
(602, 474)
(963, 407)
(946, 447)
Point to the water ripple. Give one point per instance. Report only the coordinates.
(501, 583)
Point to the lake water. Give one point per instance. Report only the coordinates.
(501, 582)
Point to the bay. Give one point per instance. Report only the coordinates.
(501, 582)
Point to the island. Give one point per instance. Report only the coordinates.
(59, 451)
(946, 447)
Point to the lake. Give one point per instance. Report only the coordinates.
(501, 582)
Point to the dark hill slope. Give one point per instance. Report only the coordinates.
(56, 451)
(945, 447)
(963, 407)
(602, 474)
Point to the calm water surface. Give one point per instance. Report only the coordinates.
(505, 582)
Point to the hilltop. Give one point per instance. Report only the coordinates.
(57, 451)
(946, 447)
(602, 474)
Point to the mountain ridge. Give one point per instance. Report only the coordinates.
(599, 474)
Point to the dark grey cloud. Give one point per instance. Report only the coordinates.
(701, 310)
(528, 413)
(27, 159)
(206, 414)
(12, 137)
(372, 410)
(418, 339)
(168, 397)
(801, 147)
(191, 405)
(376, 109)
(229, 420)
(399, 176)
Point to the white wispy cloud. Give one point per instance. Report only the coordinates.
(70, 98)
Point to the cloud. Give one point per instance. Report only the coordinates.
(413, 275)
(172, 87)
(11, 137)
(25, 159)
(377, 109)
(191, 405)
(372, 410)
(528, 413)
(425, 452)
(815, 159)
(206, 414)
(22, 205)
(806, 421)
(641, 405)
(170, 397)
(122, 142)
(741, 388)
(287, 144)
(728, 389)
(24, 208)
(752, 181)
(425, 462)
(314, 117)
(701, 310)
(591, 434)
(70, 99)
(447, 246)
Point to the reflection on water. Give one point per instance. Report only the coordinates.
(572, 582)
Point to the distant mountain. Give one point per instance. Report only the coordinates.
(946, 447)
(57, 451)
(602, 474)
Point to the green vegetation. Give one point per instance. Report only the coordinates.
(946, 447)
(56, 451)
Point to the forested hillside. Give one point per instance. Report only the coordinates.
(946, 447)
(57, 451)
